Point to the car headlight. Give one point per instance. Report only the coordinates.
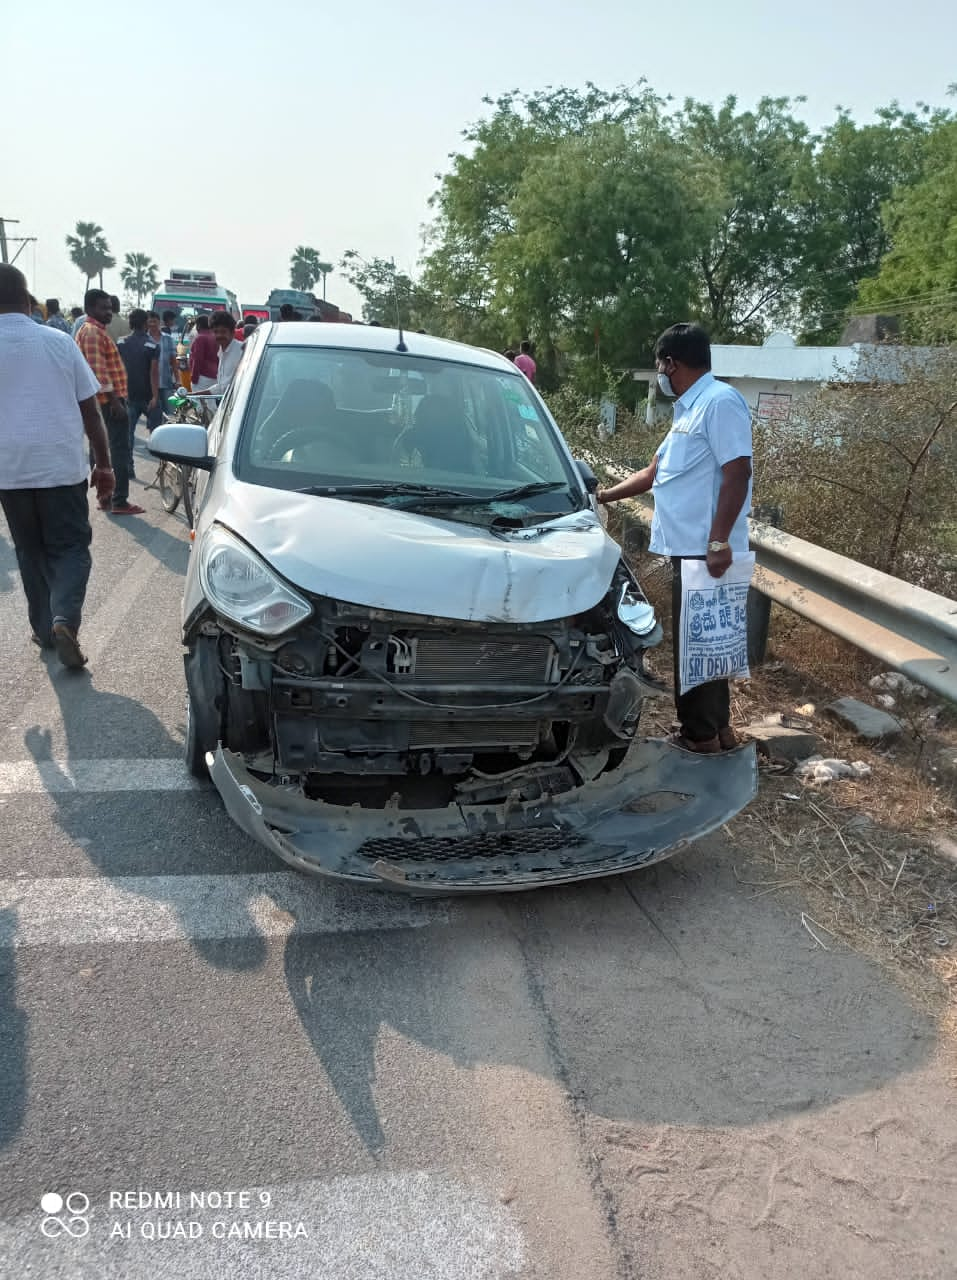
(242, 587)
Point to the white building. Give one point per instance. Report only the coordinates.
(774, 376)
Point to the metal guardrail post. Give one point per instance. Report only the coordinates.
(759, 606)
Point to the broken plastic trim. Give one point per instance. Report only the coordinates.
(594, 829)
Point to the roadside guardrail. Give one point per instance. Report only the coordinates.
(909, 629)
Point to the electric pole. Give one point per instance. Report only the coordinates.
(3, 238)
(22, 241)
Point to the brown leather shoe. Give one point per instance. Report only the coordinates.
(709, 747)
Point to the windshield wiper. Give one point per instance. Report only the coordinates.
(382, 490)
(449, 498)
(527, 490)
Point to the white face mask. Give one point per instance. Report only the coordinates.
(665, 387)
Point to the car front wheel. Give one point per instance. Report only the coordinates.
(205, 703)
(196, 747)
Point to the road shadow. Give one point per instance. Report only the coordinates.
(168, 545)
(675, 996)
(88, 713)
(13, 1035)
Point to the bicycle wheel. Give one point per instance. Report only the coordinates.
(188, 480)
(170, 485)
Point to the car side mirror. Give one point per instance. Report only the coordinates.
(183, 443)
(589, 479)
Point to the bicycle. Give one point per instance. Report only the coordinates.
(177, 481)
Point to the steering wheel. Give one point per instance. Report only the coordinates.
(288, 440)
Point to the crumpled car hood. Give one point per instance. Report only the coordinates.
(411, 563)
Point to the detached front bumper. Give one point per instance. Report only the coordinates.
(657, 802)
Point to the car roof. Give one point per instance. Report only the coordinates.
(361, 337)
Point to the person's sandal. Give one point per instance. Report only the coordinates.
(68, 647)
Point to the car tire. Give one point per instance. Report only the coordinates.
(205, 702)
(196, 749)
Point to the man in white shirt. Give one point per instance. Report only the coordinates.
(230, 352)
(701, 481)
(49, 421)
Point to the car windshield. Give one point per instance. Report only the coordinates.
(405, 431)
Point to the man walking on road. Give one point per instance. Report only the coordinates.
(104, 359)
(701, 481)
(49, 421)
(140, 355)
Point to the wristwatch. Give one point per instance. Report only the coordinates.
(719, 546)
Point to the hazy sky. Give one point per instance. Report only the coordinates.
(222, 134)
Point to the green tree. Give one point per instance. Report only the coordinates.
(600, 254)
(474, 209)
(918, 275)
(389, 297)
(750, 267)
(305, 268)
(325, 269)
(854, 171)
(89, 251)
(140, 275)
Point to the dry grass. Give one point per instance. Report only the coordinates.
(861, 853)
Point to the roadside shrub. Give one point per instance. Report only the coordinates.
(867, 466)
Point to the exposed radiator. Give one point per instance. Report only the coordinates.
(482, 660)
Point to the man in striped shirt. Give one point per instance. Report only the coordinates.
(107, 365)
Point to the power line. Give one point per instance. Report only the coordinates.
(916, 302)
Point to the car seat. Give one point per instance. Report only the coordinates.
(441, 436)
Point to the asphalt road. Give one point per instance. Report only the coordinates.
(656, 1076)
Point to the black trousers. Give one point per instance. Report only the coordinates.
(118, 432)
(705, 709)
(51, 533)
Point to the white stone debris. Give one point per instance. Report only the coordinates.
(894, 682)
(817, 769)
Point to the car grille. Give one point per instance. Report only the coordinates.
(489, 844)
(482, 659)
(474, 733)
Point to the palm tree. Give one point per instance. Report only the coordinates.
(89, 251)
(304, 268)
(139, 274)
(324, 269)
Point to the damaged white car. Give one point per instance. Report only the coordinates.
(414, 657)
